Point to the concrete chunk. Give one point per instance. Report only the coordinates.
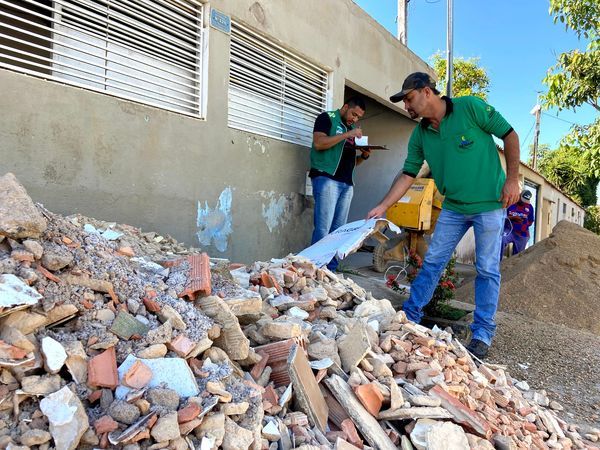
(67, 417)
(232, 340)
(19, 218)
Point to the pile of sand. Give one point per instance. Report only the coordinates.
(556, 280)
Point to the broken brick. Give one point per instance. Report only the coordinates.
(181, 345)
(270, 395)
(144, 434)
(269, 281)
(278, 355)
(351, 432)
(41, 269)
(199, 284)
(94, 396)
(138, 375)
(8, 351)
(461, 413)
(126, 251)
(105, 424)
(151, 305)
(102, 370)
(189, 412)
(371, 397)
(260, 366)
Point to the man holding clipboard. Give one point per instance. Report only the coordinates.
(332, 161)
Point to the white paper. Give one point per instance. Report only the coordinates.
(343, 241)
(361, 140)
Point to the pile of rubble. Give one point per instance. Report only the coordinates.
(112, 339)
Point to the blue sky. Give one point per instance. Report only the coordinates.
(516, 42)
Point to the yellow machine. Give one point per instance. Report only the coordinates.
(416, 213)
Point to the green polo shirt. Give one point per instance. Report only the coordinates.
(462, 155)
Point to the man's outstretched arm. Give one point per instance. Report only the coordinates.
(396, 192)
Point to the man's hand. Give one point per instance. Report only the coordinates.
(510, 193)
(365, 154)
(377, 212)
(355, 133)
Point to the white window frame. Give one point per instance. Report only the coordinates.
(125, 48)
(273, 91)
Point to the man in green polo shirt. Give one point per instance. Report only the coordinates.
(455, 138)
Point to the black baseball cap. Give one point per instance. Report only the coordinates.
(526, 194)
(417, 80)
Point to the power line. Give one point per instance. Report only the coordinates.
(528, 133)
(558, 118)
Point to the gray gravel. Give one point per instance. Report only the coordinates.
(564, 362)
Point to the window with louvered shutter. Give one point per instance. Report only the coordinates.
(149, 51)
(273, 92)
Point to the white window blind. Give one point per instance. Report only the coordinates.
(144, 50)
(272, 91)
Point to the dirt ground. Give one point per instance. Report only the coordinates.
(556, 280)
(563, 361)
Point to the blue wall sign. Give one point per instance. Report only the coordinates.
(220, 21)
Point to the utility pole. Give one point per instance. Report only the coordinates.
(449, 40)
(402, 21)
(537, 112)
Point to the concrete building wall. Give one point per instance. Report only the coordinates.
(80, 151)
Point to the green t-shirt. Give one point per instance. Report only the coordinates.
(462, 155)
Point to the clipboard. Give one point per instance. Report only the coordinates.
(371, 147)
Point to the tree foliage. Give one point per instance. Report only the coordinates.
(586, 140)
(575, 79)
(567, 169)
(592, 219)
(468, 77)
(572, 82)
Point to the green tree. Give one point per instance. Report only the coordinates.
(468, 77)
(592, 219)
(575, 79)
(565, 168)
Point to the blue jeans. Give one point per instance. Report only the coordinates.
(519, 243)
(332, 204)
(449, 230)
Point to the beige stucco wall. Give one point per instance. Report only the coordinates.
(80, 151)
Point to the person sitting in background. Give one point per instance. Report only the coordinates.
(521, 216)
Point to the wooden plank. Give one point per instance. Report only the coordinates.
(307, 392)
(366, 423)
